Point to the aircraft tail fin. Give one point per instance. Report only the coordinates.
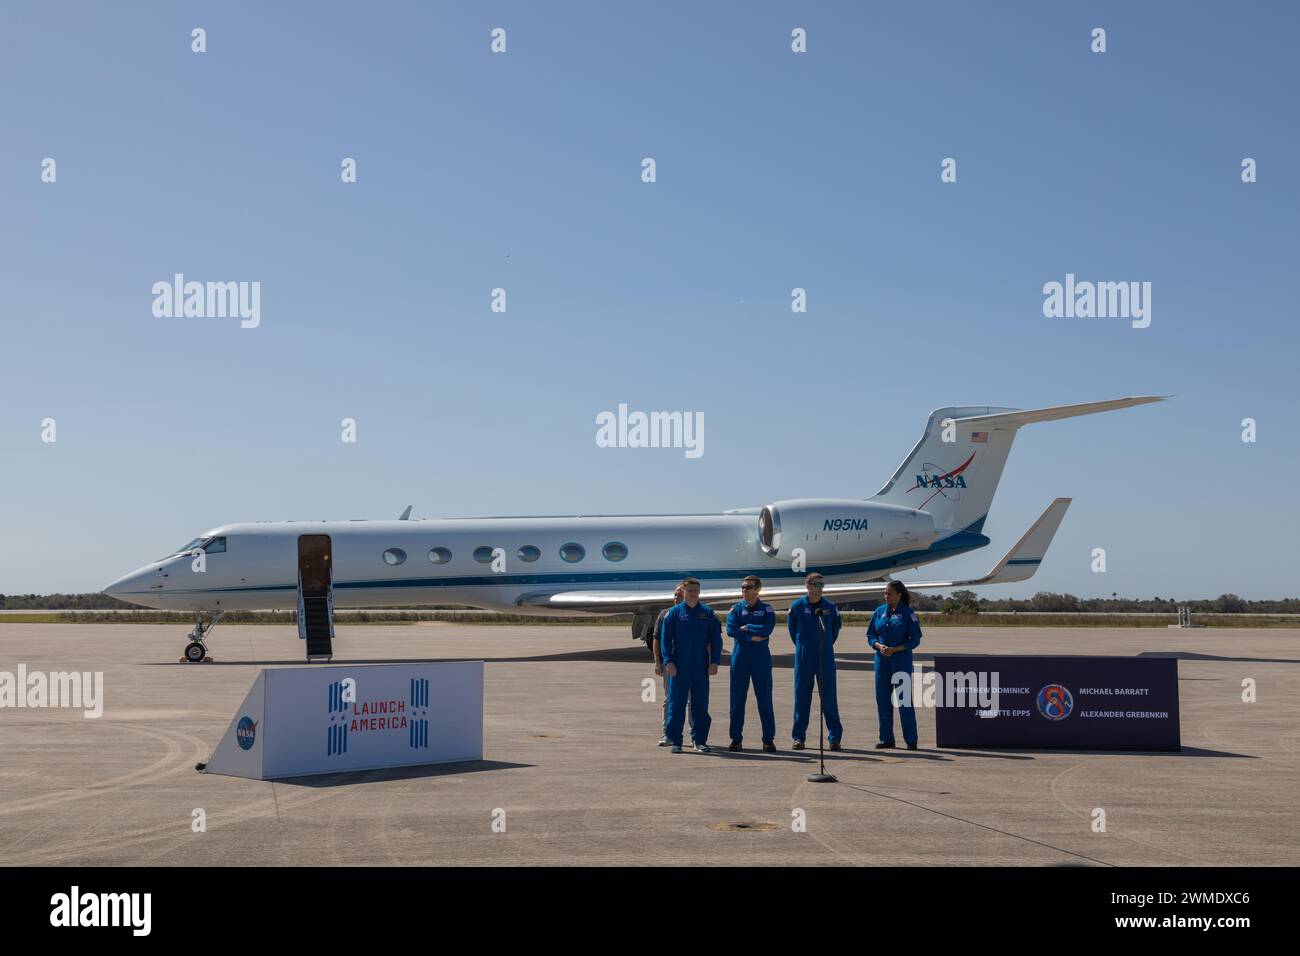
(954, 469)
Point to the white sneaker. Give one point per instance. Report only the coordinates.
(663, 741)
(701, 748)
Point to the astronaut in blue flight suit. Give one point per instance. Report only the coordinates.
(893, 632)
(802, 623)
(749, 625)
(691, 646)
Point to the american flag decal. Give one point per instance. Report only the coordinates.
(979, 436)
(336, 739)
(418, 731)
(336, 734)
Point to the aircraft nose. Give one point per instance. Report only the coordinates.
(124, 585)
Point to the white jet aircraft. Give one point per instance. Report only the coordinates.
(932, 508)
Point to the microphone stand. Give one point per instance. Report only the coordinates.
(822, 776)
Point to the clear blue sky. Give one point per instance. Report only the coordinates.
(522, 170)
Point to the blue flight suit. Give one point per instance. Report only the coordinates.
(659, 659)
(805, 632)
(751, 660)
(897, 628)
(692, 640)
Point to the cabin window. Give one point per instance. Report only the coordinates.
(573, 552)
(614, 551)
(394, 556)
(529, 553)
(439, 555)
(483, 555)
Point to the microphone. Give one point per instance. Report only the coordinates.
(822, 776)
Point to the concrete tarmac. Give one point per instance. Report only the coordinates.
(571, 760)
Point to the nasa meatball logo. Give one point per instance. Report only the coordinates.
(246, 733)
(1055, 702)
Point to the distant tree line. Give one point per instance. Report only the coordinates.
(958, 602)
(61, 602)
(966, 602)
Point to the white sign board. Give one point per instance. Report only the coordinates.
(306, 720)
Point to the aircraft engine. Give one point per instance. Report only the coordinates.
(835, 530)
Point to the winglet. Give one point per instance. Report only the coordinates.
(406, 515)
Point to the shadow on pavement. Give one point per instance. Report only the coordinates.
(399, 773)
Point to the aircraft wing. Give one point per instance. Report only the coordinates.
(1018, 564)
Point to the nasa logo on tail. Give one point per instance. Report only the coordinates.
(945, 480)
(942, 481)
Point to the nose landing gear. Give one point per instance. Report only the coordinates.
(196, 652)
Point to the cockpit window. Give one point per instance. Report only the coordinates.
(209, 545)
(197, 542)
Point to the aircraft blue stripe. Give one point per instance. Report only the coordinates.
(950, 546)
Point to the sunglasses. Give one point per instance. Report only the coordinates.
(816, 584)
(747, 587)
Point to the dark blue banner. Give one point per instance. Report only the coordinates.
(1084, 703)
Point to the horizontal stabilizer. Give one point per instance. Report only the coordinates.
(1020, 563)
(1026, 416)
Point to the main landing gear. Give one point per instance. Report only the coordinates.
(643, 627)
(196, 652)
